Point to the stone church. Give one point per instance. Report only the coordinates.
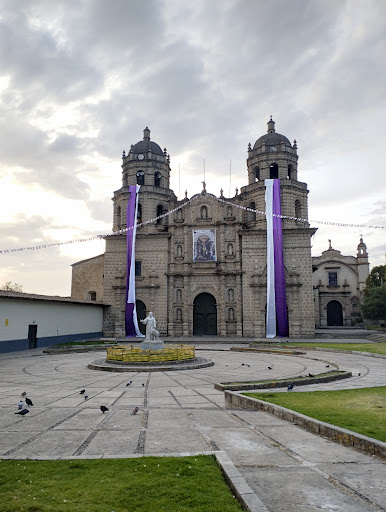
(201, 262)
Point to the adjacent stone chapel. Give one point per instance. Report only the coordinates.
(201, 262)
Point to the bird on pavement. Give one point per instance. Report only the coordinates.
(23, 412)
(20, 405)
(82, 392)
(28, 401)
(290, 386)
(23, 394)
(129, 383)
(85, 397)
(134, 411)
(327, 366)
(269, 367)
(103, 408)
(359, 374)
(310, 375)
(143, 384)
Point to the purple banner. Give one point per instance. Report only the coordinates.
(280, 298)
(131, 221)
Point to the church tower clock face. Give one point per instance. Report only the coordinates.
(140, 157)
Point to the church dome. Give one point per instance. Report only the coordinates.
(271, 138)
(143, 145)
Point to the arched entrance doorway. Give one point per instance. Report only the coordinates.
(141, 314)
(204, 315)
(334, 313)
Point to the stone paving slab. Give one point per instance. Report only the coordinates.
(272, 465)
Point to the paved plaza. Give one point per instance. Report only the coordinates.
(180, 412)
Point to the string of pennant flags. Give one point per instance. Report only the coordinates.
(186, 203)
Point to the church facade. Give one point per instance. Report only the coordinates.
(201, 262)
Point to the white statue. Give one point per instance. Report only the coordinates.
(151, 332)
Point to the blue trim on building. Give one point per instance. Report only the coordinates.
(17, 345)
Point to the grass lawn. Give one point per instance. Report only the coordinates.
(72, 343)
(294, 379)
(374, 348)
(360, 410)
(146, 484)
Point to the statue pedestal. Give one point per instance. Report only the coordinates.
(152, 345)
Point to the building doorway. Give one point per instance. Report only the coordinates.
(204, 315)
(32, 336)
(141, 315)
(334, 314)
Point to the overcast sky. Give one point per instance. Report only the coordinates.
(80, 80)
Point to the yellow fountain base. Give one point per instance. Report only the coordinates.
(134, 355)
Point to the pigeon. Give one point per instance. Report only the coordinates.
(20, 405)
(85, 397)
(129, 383)
(310, 375)
(290, 386)
(269, 367)
(327, 366)
(23, 394)
(134, 411)
(22, 412)
(103, 408)
(359, 374)
(143, 383)
(28, 401)
(82, 392)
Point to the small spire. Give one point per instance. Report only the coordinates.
(237, 191)
(123, 154)
(146, 134)
(249, 147)
(221, 192)
(186, 194)
(329, 242)
(295, 144)
(271, 126)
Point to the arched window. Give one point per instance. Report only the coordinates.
(119, 217)
(257, 173)
(139, 212)
(298, 209)
(251, 216)
(140, 178)
(274, 171)
(289, 174)
(157, 179)
(160, 211)
(204, 212)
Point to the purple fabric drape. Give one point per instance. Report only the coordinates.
(280, 297)
(131, 208)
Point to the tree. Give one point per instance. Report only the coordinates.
(9, 286)
(377, 277)
(374, 304)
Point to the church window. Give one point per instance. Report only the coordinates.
(160, 211)
(251, 216)
(138, 268)
(119, 217)
(298, 209)
(157, 179)
(273, 171)
(140, 178)
(91, 295)
(204, 212)
(332, 279)
(257, 173)
(289, 175)
(139, 212)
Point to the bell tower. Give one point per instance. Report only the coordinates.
(146, 164)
